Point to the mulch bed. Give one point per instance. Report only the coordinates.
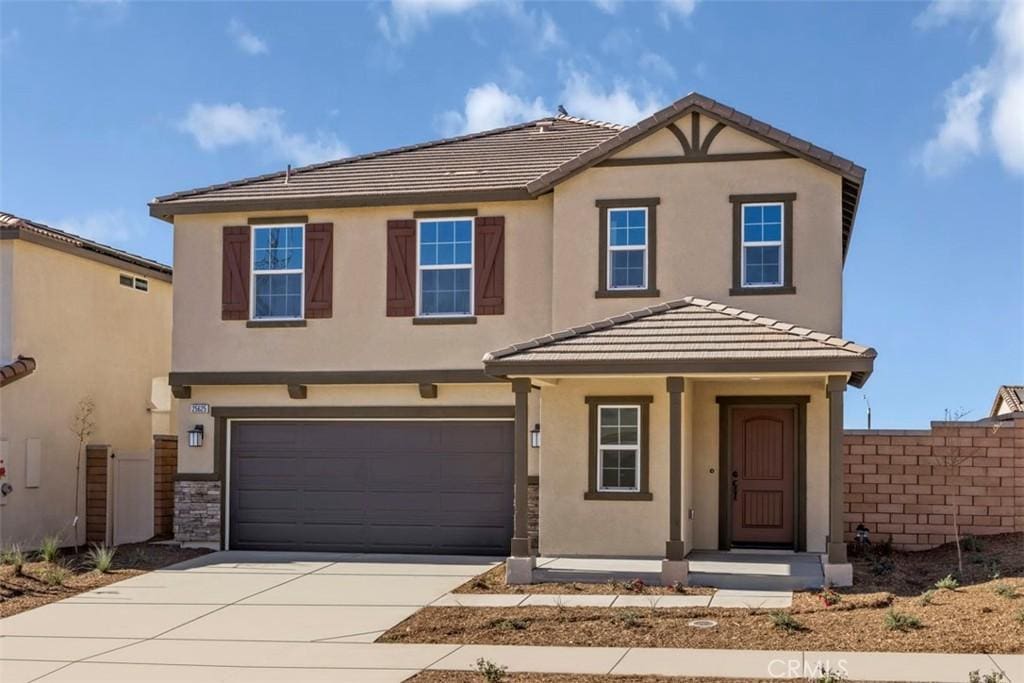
(30, 590)
(473, 677)
(974, 618)
(493, 581)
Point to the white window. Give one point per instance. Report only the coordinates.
(277, 271)
(618, 448)
(445, 266)
(762, 250)
(627, 248)
(132, 282)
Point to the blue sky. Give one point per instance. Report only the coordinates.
(106, 104)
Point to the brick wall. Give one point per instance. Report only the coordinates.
(533, 513)
(97, 463)
(901, 483)
(165, 464)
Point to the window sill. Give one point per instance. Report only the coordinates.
(618, 495)
(275, 323)
(626, 293)
(444, 320)
(756, 291)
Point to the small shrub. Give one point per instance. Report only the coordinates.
(615, 585)
(15, 557)
(636, 585)
(509, 624)
(629, 619)
(49, 549)
(947, 583)
(992, 677)
(491, 672)
(1020, 617)
(55, 574)
(1005, 590)
(678, 587)
(882, 565)
(786, 622)
(884, 548)
(828, 676)
(900, 621)
(927, 597)
(830, 597)
(101, 558)
(994, 572)
(972, 544)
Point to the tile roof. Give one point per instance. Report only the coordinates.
(503, 160)
(1012, 395)
(516, 162)
(14, 226)
(688, 335)
(16, 369)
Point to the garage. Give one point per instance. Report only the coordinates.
(416, 486)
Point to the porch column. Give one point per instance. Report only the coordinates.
(835, 388)
(521, 533)
(674, 548)
(674, 567)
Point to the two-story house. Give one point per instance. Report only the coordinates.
(645, 319)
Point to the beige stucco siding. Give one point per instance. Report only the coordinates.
(695, 236)
(359, 336)
(92, 337)
(664, 143)
(570, 525)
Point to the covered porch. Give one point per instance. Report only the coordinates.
(680, 430)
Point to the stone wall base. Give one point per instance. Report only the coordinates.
(197, 511)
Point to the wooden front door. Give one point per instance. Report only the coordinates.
(762, 463)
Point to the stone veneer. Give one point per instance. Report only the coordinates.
(197, 511)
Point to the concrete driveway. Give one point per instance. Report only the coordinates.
(239, 616)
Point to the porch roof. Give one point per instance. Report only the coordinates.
(688, 335)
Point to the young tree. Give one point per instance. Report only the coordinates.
(952, 459)
(83, 425)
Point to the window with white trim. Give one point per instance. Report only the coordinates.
(132, 282)
(445, 266)
(277, 272)
(762, 249)
(627, 248)
(618, 448)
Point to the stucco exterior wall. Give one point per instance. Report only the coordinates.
(570, 525)
(90, 336)
(359, 336)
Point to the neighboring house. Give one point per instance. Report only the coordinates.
(341, 359)
(77, 319)
(1009, 399)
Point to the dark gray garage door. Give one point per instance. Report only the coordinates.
(409, 487)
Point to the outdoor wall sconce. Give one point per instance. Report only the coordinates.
(195, 436)
(535, 436)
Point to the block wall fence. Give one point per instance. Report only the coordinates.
(903, 484)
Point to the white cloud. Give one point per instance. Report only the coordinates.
(407, 17)
(215, 126)
(657, 65)
(245, 40)
(116, 227)
(618, 104)
(670, 9)
(985, 105)
(488, 106)
(608, 6)
(940, 12)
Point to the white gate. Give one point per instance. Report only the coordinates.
(132, 488)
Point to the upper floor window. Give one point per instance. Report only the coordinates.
(762, 238)
(763, 261)
(277, 272)
(445, 267)
(627, 248)
(139, 283)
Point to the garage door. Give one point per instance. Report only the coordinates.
(373, 486)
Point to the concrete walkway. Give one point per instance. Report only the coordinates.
(288, 617)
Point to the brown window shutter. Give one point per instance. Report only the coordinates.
(319, 270)
(489, 257)
(401, 268)
(235, 274)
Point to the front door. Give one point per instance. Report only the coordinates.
(762, 475)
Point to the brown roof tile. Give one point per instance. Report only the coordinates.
(683, 336)
(15, 370)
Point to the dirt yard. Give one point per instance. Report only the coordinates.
(893, 607)
(37, 584)
(473, 677)
(493, 581)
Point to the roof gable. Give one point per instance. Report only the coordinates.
(1010, 394)
(688, 335)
